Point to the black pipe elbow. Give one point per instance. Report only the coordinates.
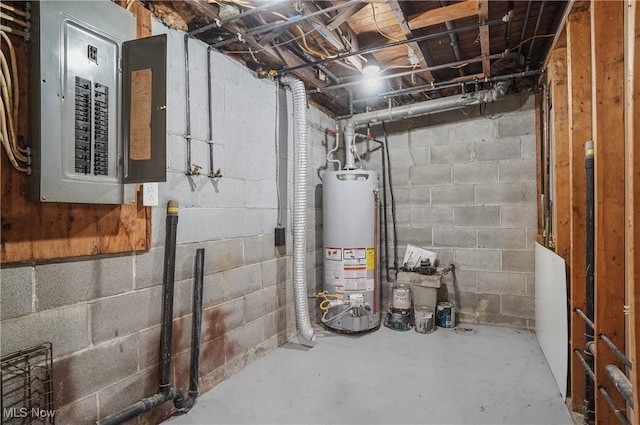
(185, 404)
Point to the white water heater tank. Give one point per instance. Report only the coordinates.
(350, 222)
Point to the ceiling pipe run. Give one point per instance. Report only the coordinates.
(282, 23)
(407, 73)
(446, 84)
(415, 110)
(431, 106)
(219, 23)
(368, 50)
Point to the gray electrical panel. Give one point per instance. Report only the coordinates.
(76, 102)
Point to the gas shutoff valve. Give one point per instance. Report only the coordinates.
(356, 300)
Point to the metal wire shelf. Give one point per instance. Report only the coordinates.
(27, 389)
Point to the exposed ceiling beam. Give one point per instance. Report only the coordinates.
(444, 14)
(478, 76)
(579, 5)
(400, 17)
(342, 17)
(334, 37)
(386, 46)
(306, 75)
(322, 28)
(284, 23)
(485, 46)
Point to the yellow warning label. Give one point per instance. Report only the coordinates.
(371, 258)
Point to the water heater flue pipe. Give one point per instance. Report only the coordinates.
(430, 106)
(349, 134)
(300, 205)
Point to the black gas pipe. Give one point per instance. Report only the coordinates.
(589, 390)
(386, 176)
(393, 203)
(384, 217)
(165, 391)
(168, 281)
(196, 325)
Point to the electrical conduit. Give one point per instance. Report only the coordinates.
(300, 205)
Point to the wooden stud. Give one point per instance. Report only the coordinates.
(143, 20)
(579, 83)
(443, 14)
(539, 141)
(344, 15)
(143, 29)
(633, 195)
(560, 152)
(544, 154)
(485, 45)
(607, 61)
(563, 22)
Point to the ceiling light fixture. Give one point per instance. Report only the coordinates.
(371, 81)
(371, 68)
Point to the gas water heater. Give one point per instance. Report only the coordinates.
(351, 278)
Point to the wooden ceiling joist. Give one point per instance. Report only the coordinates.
(399, 14)
(444, 14)
(323, 29)
(485, 45)
(345, 14)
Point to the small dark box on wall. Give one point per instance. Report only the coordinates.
(280, 236)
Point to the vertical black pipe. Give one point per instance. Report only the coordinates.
(384, 216)
(523, 32)
(196, 323)
(535, 34)
(186, 403)
(548, 223)
(393, 203)
(507, 30)
(167, 299)
(590, 257)
(384, 212)
(541, 137)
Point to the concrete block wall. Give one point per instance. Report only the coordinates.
(465, 188)
(102, 314)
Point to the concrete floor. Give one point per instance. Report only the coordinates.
(490, 375)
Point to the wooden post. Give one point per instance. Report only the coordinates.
(485, 45)
(632, 108)
(539, 170)
(607, 33)
(560, 151)
(143, 29)
(579, 82)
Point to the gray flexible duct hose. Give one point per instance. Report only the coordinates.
(300, 205)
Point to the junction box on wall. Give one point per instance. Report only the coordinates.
(97, 104)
